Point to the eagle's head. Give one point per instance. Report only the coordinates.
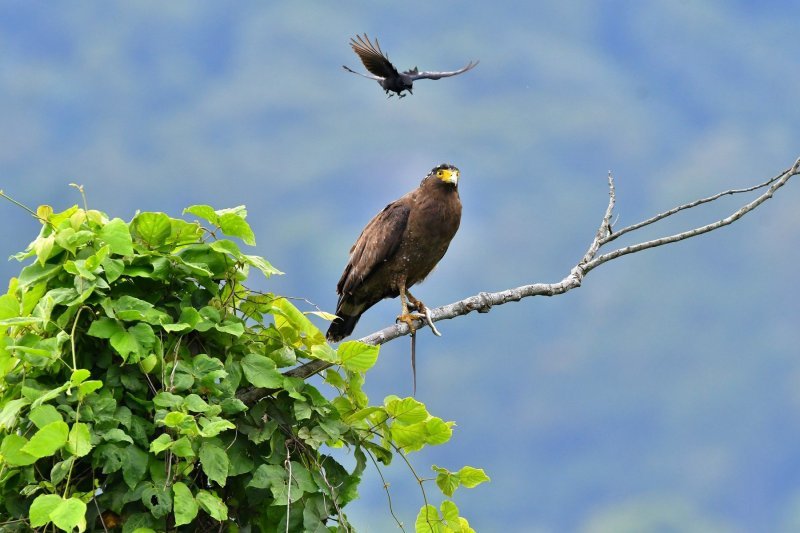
(445, 172)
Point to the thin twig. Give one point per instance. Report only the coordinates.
(386, 488)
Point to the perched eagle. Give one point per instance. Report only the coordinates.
(397, 249)
(382, 70)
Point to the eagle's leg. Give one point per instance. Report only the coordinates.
(405, 316)
(422, 309)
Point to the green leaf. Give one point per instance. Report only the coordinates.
(183, 448)
(152, 229)
(118, 237)
(261, 264)
(161, 443)
(215, 462)
(203, 211)
(138, 340)
(42, 506)
(157, 498)
(69, 514)
(105, 328)
(36, 273)
(43, 246)
(213, 505)
(261, 371)
(48, 440)
(185, 505)
(8, 415)
(215, 426)
(79, 442)
(471, 476)
(9, 306)
(135, 466)
(446, 480)
(234, 224)
(438, 431)
(44, 414)
(11, 450)
(428, 520)
(286, 314)
(88, 387)
(195, 403)
(357, 356)
(406, 411)
(116, 435)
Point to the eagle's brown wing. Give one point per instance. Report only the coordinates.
(375, 61)
(376, 245)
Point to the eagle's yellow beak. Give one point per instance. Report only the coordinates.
(448, 175)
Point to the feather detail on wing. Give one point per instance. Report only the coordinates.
(376, 244)
(431, 75)
(373, 57)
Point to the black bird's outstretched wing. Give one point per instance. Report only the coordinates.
(430, 75)
(373, 57)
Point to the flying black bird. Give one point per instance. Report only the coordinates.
(398, 248)
(382, 70)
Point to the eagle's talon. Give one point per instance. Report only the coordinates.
(408, 319)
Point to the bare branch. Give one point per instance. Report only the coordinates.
(484, 301)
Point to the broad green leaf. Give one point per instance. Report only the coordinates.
(167, 400)
(11, 450)
(438, 431)
(161, 443)
(287, 314)
(325, 353)
(138, 339)
(226, 246)
(42, 506)
(79, 376)
(69, 514)
(9, 306)
(195, 403)
(428, 520)
(9, 412)
(234, 224)
(118, 237)
(447, 481)
(20, 321)
(152, 229)
(215, 462)
(44, 414)
(262, 264)
(105, 328)
(79, 442)
(261, 372)
(203, 211)
(406, 411)
(183, 448)
(265, 476)
(471, 476)
(48, 440)
(130, 308)
(215, 426)
(157, 498)
(116, 435)
(357, 356)
(134, 466)
(88, 387)
(43, 246)
(410, 438)
(184, 504)
(36, 273)
(212, 504)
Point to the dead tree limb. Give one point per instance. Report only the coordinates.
(484, 301)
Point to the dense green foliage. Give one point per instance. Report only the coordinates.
(126, 350)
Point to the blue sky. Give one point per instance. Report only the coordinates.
(663, 389)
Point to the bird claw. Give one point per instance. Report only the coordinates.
(424, 315)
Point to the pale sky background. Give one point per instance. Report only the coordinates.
(661, 394)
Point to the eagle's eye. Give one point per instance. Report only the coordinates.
(440, 173)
